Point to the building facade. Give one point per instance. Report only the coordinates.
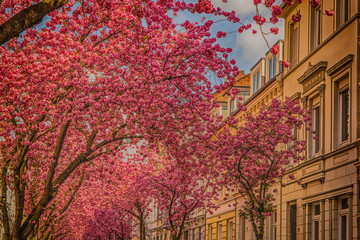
(324, 76)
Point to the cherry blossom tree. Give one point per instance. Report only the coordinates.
(109, 224)
(99, 78)
(135, 196)
(253, 155)
(181, 185)
(77, 94)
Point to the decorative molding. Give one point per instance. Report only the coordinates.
(321, 89)
(295, 96)
(342, 63)
(312, 76)
(317, 177)
(304, 100)
(335, 192)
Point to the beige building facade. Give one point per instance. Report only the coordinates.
(324, 75)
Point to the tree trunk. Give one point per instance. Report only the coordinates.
(259, 229)
(142, 228)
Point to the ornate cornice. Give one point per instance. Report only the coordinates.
(337, 66)
(297, 95)
(312, 76)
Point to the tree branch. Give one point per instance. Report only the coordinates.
(27, 18)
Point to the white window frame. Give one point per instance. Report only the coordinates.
(234, 104)
(256, 81)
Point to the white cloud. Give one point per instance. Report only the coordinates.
(253, 46)
(239, 6)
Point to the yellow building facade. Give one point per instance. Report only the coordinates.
(324, 75)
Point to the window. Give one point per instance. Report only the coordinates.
(274, 224)
(199, 233)
(165, 237)
(294, 44)
(256, 81)
(211, 233)
(234, 104)
(315, 27)
(230, 230)
(291, 143)
(316, 222)
(343, 218)
(315, 136)
(272, 67)
(292, 222)
(344, 113)
(186, 235)
(244, 95)
(223, 111)
(342, 12)
(219, 231)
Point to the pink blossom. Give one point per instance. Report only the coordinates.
(286, 64)
(296, 17)
(329, 12)
(276, 10)
(274, 30)
(257, 2)
(275, 49)
(288, 2)
(314, 3)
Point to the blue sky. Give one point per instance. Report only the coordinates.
(247, 48)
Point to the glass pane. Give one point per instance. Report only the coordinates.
(254, 83)
(274, 233)
(274, 64)
(345, 115)
(317, 129)
(317, 209)
(344, 203)
(346, 10)
(316, 230)
(270, 69)
(343, 227)
(293, 222)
